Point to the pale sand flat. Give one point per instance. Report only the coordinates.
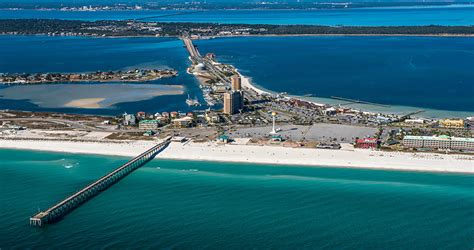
(85, 103)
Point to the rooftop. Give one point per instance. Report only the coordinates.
(440, 138)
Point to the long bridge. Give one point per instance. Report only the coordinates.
(196, 58)
(191, 48)
(58, 211)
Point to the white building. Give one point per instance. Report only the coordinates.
(442, 142)
(148, 124)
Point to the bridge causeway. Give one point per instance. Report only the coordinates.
(58, 211)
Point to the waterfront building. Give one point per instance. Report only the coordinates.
(452, 123)
(161, 120)
(414, 121)
(174, 114)
(366, 143)
(141, 115)
(469, 122)
(212, 117)
(233, 101)
(236, 83)
(129, 119)
(183, 122)
(211, 56)
(442, 142)
(330, 111)
(148, 124)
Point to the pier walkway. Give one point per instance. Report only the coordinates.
(58, 211)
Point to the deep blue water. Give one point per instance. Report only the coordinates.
(79, 54)
(189, 205)
(427, 72)
(445, 15)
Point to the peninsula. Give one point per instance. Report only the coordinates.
(136, 75)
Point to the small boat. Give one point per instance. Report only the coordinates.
(193, 102)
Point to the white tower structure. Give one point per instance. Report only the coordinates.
(273, 128)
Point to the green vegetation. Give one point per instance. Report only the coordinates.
(134, 28)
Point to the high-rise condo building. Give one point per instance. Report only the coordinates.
(236, 83)
(233, 101)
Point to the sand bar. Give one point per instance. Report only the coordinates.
(87, 95)
(88, 103)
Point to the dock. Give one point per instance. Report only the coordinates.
(58, 211)
(352, 101)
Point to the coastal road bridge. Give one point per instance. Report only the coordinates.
(197, 58)
(191, 48)
(58, 211)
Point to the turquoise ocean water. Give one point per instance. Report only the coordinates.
(189, 204)
(435, 15)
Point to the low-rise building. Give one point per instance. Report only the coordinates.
(141, 115)
(212, 117)
(223, 139)
(366, 143)
(469, 122)
(148, 124)
(276, 138)
(442, 142)
(414, 121)
(129, 119)
(174, 114)
(452, 123)
(183, 122)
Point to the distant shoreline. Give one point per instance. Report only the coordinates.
(256, 35)
(218, 7)
(196, 30)
(354, 35)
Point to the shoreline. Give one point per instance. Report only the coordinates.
(323, 101)
(255, 154)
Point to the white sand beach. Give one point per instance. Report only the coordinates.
(210, 151)
(246, 83)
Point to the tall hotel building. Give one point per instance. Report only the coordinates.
(233, 101)
(236, 83)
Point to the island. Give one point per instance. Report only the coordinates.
(140, 28)
(136, 75)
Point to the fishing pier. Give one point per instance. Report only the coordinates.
(58, 211)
